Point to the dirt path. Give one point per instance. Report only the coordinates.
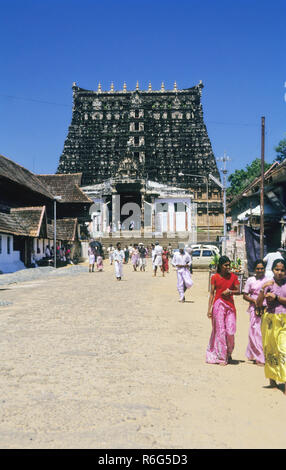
(90, 362)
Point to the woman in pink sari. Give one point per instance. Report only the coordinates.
(254, 351)
(224, 284)
(99, 263)
(135, 257)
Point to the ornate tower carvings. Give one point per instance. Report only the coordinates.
(153, 134)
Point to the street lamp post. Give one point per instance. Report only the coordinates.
(56, 198)
(224, 159)
(207, 186)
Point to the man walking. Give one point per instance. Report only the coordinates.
(182, 262)
(110, 251)
(158, 251)
(118, 257)
(142, 256)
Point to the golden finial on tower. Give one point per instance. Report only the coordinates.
(112, 87)
(175, 86)
(150, 87)
(124, 87)
(137, 85)
(162, 86)
(99, 88)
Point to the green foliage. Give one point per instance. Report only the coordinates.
(281, 151)
(236, 265)
(240, 179)
(215, 259)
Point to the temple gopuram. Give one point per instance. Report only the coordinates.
(145, 157)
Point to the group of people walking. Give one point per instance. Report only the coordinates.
(266, 297)
(95, 257)
(264, 291)
(138, 255)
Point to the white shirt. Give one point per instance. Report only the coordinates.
(118, 255)
(270, 258)
(179, 259)
(158, 250)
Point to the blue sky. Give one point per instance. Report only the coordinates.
(236, 48)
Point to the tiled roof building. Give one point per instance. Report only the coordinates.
(27, 204)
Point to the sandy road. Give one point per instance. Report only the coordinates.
(90, 362)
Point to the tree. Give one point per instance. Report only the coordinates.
(240, 179)
(281, 151)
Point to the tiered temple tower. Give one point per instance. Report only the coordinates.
(141, 144)
(161, 131)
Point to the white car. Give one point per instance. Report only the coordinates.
(205, 247)
(202, 258)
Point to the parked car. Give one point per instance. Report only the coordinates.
(206, 247)
(202, 258)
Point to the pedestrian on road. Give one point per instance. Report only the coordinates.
(273, 326)
(91, 257)
(99, 263)
(118, 257)
(181, 261)
(142, 256)
(153, 255)
(221, 310)
(254, 351)
(158, 251)
(135, 257)
(110, 251)
(165, 260)
(126, 254)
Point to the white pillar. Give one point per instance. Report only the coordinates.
(171, 210)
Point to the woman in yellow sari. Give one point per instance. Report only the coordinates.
(273, 326)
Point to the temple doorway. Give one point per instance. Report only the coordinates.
(130, 211)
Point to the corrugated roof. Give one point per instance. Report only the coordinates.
(20, 175)
(66, 186)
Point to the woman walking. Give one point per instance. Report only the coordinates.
(165, 260)
(99, 263)
(91, 258)
(224, 284)
(135, 257)
(254, 351)
(273, 326)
